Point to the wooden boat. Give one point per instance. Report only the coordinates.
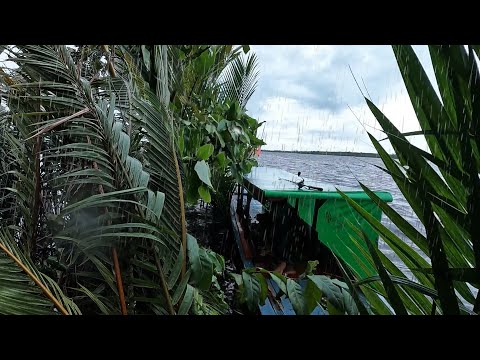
(281, 221)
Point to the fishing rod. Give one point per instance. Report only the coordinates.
(301, 184)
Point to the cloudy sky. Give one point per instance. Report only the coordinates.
(304, 94)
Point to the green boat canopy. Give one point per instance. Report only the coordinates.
(325, 211)
(276, 183)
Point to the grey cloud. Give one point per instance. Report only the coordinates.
(324, 77)
(322, 83)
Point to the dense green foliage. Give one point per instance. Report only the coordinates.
(92, 185)
(217, 149)
(332, 295)
(216, 137)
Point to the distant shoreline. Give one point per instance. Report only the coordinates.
(335, 153)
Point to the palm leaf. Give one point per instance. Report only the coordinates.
(24, 289)
(239, 80)
(446, 201)
(96, 136)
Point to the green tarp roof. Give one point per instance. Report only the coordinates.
(279, 183)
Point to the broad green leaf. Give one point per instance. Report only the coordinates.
(203, 171)
(252, 291)
(204, 193)
(348, 303)
(220, 138)
(332, 310)
(237, 277)
(312, 295)
(205, 151)
(280, 280)
(221, 159)
(263, 287)
(217, 260)
(210, 129)
(202, 268)
(329, 290)
(295, 294)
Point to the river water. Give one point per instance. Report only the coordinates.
(348, 171)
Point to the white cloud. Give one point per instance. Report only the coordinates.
(291, 125)
(304, 93)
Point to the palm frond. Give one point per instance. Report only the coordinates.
(445, 200)
(97, 193)
(239, 81)
(23, 289)
(149, 112)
